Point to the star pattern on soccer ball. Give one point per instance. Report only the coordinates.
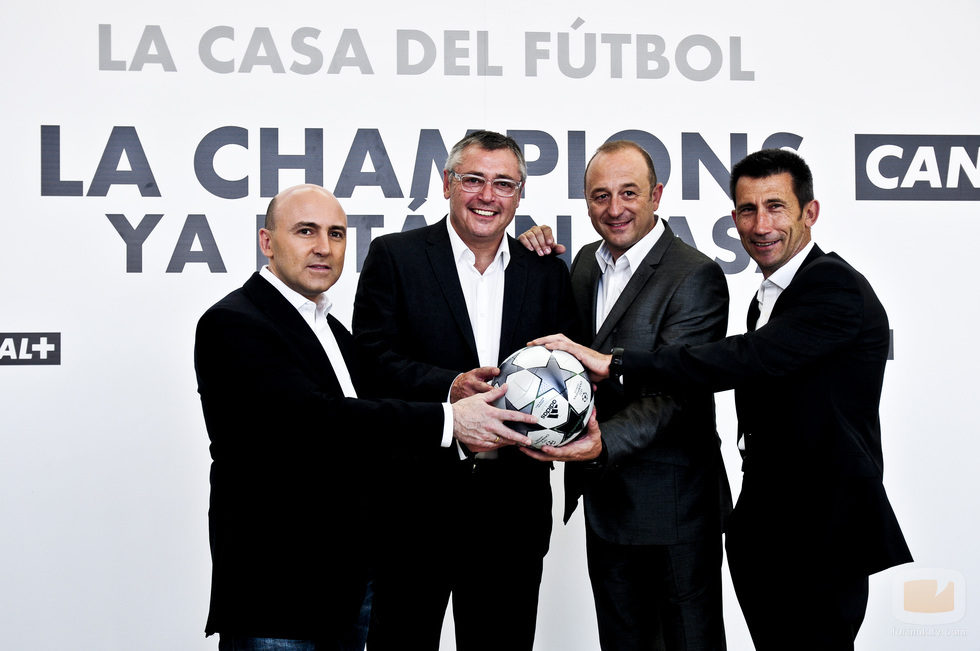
(553, 376)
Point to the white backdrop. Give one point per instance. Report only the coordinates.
(103, 470)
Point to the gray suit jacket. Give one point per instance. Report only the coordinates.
(662, 480)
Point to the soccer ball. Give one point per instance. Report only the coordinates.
(554, 387)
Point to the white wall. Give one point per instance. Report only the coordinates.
(103, 470)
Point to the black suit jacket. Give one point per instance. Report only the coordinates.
(288, 450)
(663, 480)
(411, 315)
(807, 387)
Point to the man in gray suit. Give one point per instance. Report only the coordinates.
(656, 498)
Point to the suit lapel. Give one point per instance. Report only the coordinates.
(641, 276)
(515, 285)
(753, 316)
(815, 253)
(348, 350)
(295, 332)
(588, 282)
(440, 254)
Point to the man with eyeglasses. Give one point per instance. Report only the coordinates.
(432, 303)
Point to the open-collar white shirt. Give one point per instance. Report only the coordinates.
(777, 282)
(484, 296)
(315, 314)
(617, 273)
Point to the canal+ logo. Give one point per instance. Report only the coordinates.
(30, 348)
(916, 167)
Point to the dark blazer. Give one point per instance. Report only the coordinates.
(807, 387)
(411, 315)
(288, 452)
(663, 481)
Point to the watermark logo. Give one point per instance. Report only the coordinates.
(916, 167)
(30, 348)
(929, 596)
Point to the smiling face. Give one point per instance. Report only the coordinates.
(769, 220)
(480, 218)
(621, 203)
(307, 243)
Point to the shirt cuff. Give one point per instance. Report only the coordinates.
(447, 425)
(449, 394)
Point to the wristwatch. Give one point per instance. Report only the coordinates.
(616, 363)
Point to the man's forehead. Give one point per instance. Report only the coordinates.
(621, 168)
(312, 206)
(499, 161)
(774, 185)
(325, 221)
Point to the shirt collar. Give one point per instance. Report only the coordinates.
(783, 276)
(635, 254)
(462, 253)
(322, 303)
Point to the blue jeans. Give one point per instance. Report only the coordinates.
(233, 643)
(353, 640)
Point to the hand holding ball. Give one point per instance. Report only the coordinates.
(551, 385)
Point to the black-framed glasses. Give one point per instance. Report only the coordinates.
(475, 183)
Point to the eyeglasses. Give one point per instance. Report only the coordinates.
(475, 183)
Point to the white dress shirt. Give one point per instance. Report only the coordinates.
(617, 273)
(315, 315)
(777, 282)
(484, 296)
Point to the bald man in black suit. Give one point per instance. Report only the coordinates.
(282, 385)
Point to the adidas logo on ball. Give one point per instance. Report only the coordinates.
(552, 410)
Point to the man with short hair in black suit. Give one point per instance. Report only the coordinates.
(812, 521)
(282, 386)
(432, 303)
